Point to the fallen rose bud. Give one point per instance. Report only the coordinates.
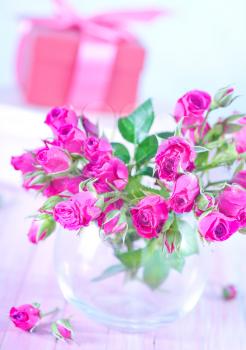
(62, 329)
(25, 317)
(229, 292)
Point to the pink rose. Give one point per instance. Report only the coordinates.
(186, 190)
(77, 212)
(40, 229)
(53, 160)
(240, 178)
(61, 184)
(112, 171)
(173, 155)
(25, 163)
(149, 216)
(193, 104)
(25, 317)
(240, 140)
(113, 225)
(217, 227)
(232, 202)
(241, 217)
(59, 117)
(96, 149)
(210, 203)
(71, 138)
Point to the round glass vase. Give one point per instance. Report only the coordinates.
(142, 298)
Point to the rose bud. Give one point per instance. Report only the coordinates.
(53, 160)
(203, 203)
(59, 117)
(229, 292)
(149, 216)
(30, 184)
(71, 138)
(240, 178)
(193, 104)
(77, 212)
(169, 246)
(107, 172)
(41, 229)
(215, 226)
(25, 163)
(111, 226)
(96, 149)
(90, 128)
(194, 134)
(174, 155)
(25, 316)
(232, 203)
(186, 189)
(62, 329)
(224, 97)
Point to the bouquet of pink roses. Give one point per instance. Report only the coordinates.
(139, 201)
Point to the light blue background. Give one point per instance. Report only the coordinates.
(203, 45)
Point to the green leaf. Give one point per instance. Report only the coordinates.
(234, 117)
(189, 242)
(146, 171)
(230, 128)
(169, 222)
(173, 235)
(178, 130)
(200, 149)
(109, 272)
(242, 230)
(146, 149)
(51, 202)
(202, 202)
(156, 269)
(201, 159)
(131, 259)
(120, 151)
(214, 133)
(136, 126)
(136, 190)
(165, 135)
(176, 261)
(111, 215)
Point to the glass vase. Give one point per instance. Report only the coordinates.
(135, 299)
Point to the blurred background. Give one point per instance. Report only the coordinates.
(200, 45)
(194, 44)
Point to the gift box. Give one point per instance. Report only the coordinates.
(88, 63)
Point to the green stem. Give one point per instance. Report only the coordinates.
(215, 183)
(203, 125)
(55, 310)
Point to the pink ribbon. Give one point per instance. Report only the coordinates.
(109, 28)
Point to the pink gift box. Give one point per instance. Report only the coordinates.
(92, 64)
